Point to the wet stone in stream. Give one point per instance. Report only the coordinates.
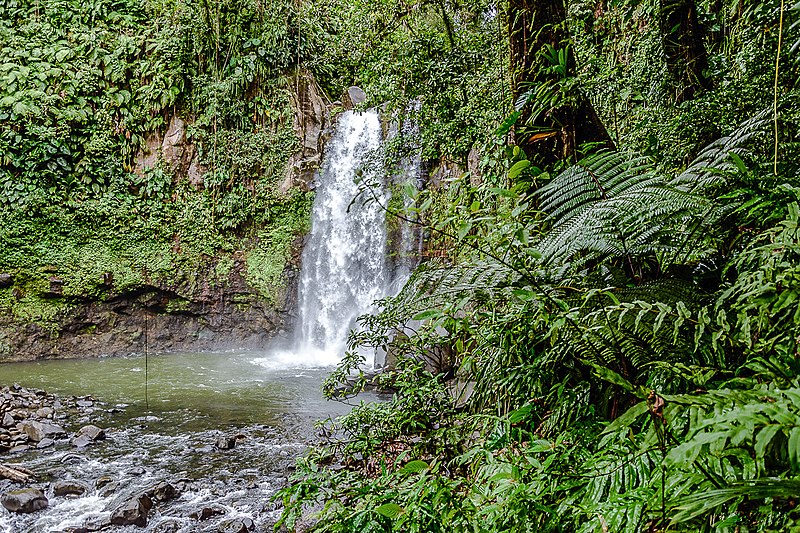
(73, 483)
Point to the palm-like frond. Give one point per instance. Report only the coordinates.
(713, 161)
(614, 205)
(432, 285)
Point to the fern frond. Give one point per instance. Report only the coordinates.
(432, 285)
(714, 160)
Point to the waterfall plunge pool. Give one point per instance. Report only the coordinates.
(194, 400)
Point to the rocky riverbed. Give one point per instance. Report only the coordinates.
(65, 469)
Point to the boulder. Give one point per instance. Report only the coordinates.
(226, 443)
(134, 512)
(24, 500)
(102, 481)
(353, 97)
(162, 492)
(68, 488)
(37, 431)
(206, 512)
(238, 525)
(87, 435)
(6, 280)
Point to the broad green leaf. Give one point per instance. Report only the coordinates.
(427, 314)
(518, 168)
(389, 510)
(627, 418)
(415, 466)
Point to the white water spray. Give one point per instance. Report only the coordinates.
(344, 268)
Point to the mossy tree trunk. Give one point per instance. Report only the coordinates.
(548, 134)
(683, 47)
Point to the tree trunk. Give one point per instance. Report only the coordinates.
(683, 46)
(553, 134)
(15, 473)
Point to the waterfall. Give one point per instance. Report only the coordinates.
(344, 267)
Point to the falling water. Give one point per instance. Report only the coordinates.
(344, 268)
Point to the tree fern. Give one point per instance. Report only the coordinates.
(617, 206)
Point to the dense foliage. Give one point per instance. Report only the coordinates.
(87, 94)
(604, 345)
(606, 339)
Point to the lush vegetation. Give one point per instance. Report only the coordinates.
(608, 338)
(89, 185)
(609, 342)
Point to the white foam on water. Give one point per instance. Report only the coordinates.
(73, 513)
(297, 360)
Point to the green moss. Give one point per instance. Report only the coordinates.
(267, 262)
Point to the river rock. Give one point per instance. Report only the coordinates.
(102, 481)
(162, 492)
(8, 420)
(37, 431)
(45, 443)
(226, 443)
(87, 435)
(109, 489)
(91, 525)
(238, 525)
(24, 500)
(206, 512)
(68, 488)
(134, 512)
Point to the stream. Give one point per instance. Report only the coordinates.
(194, 399)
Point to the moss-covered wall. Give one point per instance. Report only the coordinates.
(145, 173)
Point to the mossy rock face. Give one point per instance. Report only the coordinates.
(205, 313)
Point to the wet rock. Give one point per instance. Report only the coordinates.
(226, 443)
(87, 435)
(162, 492)
(169, 526)
(93, 432)
(81, 441)
(37, 431)
(206, 512)
(102, 481)
(45, 443)
(136, 471)
(91, 525)
(19, 448)
(24, 500)
(238, 525)
(6, 280)
(109, 490)
(68, 488)
(134, 512)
